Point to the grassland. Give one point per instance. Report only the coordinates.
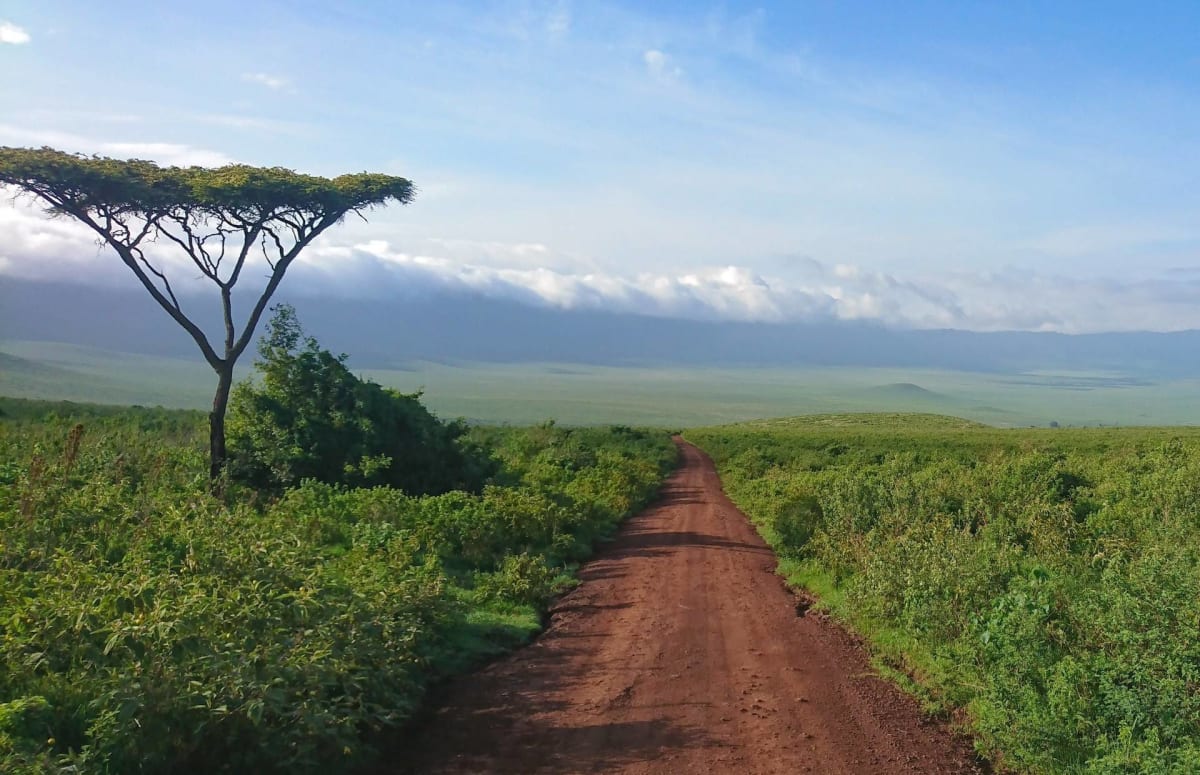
(676, 397)
(1039, 584)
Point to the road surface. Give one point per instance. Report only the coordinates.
(681, 651)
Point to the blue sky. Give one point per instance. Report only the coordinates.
(977, 165)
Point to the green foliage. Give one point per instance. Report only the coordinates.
(1044, 580)
(148, 626)
(795, 521)
(522, 578)
(25, 734)
(312, 418)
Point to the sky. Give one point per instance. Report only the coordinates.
(987, 166)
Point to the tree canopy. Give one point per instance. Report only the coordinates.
(72, 183)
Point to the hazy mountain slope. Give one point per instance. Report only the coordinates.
(451, 328)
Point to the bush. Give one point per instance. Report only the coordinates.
(522, 578)
(311, 418)
(796, 521)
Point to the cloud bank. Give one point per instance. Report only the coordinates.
(800, 289)
(795, 289)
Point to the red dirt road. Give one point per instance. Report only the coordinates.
(681, 652)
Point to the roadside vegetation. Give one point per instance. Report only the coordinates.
(148, 625)
(1042, 585)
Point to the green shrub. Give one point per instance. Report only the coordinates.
(522, 578)
(26, 736)
(310, 417)
(795, 521)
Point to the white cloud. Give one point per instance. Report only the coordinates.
(36, 247)
(170, 154)
(266, 79)
(11, 33)
(1009, 300)
(661, 66)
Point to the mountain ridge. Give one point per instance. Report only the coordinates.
(448, 327)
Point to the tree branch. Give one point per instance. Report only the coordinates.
(227, 313)
(192, 246)
(140, 255)
(251, 237)
(268, 231)
(170, 305)
(277, 277)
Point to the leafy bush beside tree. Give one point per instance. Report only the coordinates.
(310, 417)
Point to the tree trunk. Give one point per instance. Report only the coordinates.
(216, 422)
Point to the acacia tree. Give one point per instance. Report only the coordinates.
(222, 219)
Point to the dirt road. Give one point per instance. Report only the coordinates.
(680, 652)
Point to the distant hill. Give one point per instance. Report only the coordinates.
(448, 328)
(906, 390)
